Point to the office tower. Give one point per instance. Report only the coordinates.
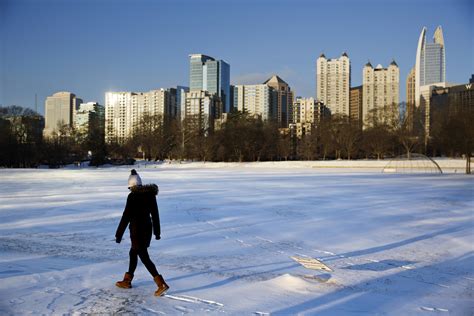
(355, 104)
(430, 67)
(410, 90)
(203, 108)
(258, 100)
(90, 116)
(453, 97)
(233, 105)
(59, 111)
(125, 110)
(380, 93)
(333, 81)
(209, 74)
(284, 100)
(426, 92)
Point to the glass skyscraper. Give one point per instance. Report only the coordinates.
(430, 64)
(209, 74)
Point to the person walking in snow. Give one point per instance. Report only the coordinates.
(142, 217)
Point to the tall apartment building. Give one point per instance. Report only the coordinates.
(284, 100)
(203, 106)
(124, 110)
(430, 66)
(380, 92)
(60, 110)
(307, 112)
(258, 100)
(410, 90)
(355, 104)
(333, 81)
(209, 74)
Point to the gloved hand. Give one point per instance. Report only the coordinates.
(157, 237)
(118, 240)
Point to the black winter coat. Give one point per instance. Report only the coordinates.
(141, 203)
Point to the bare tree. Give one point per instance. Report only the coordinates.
(407, 136)
(452, 131)
(346, 135)
(377, 140)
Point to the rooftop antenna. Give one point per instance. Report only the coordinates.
(36, 103)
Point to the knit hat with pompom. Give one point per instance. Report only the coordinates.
(134, 179)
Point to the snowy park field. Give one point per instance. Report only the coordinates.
(397, 244)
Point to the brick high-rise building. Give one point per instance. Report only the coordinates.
(410, 90)
(355, 104)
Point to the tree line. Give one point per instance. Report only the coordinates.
(244, 138)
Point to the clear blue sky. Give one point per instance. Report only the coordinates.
(90, 47)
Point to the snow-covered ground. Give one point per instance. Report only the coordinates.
(397, 244)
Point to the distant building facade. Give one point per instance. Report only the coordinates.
(410, 103)
(204, 107)
(60, 110)
(307, 113)
(90, 116)
(333, 80)
(355, 104)
(453, 97)
(380, 92)
(425, 105)
(124, 110)
(209, 74)
(258, 100)
(181, 101)
(284, 100)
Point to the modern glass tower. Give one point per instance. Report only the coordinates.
(209, 74)
(430, 64)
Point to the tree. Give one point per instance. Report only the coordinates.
(345, 134)
(325, 137)
(407, 136)
(452, 131)
(377, 140)
(307, 146)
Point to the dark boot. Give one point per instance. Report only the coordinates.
(126, 283)
(162, 286)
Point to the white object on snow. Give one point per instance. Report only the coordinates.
(311, 263)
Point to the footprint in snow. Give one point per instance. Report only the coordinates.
(433, 309)
(192, 299)
(183, 309)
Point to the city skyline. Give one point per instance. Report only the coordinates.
(96, 51)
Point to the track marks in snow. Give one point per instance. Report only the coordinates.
(183, 309)
(433, 309)
(192, 299)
